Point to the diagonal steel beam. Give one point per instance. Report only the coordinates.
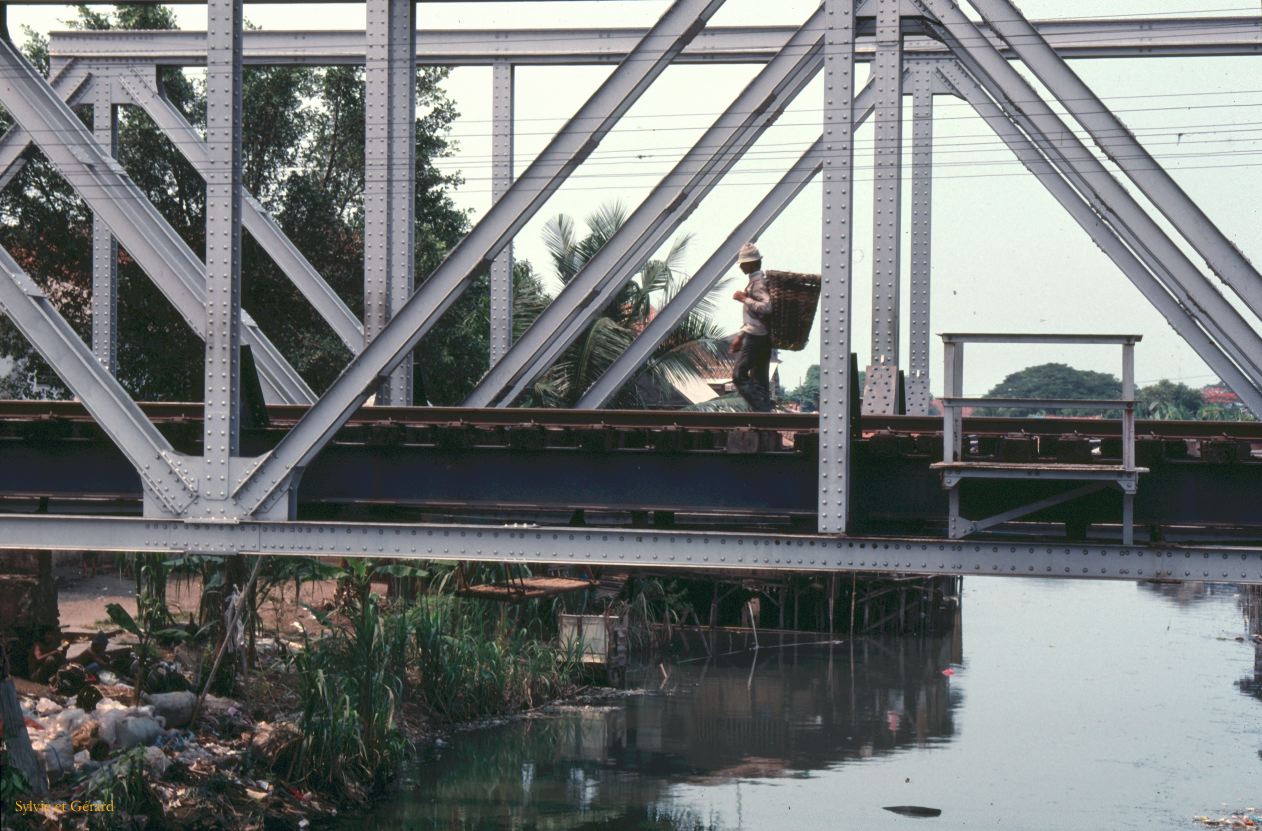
(711, 272)
(255, 218)
(670, 203)
(107, 189)
(69, 82)
(1089, 176)
(262, 486)
(63, 350)
(1090, 218)
(1121, 146)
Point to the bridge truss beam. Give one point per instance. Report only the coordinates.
(932, 44)
(657, 549)
(1102, 38)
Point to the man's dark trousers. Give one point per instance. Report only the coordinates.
(752, 373)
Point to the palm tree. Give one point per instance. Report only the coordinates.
(695, 344)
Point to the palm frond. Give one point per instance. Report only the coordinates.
(563, 247)
(604, 222)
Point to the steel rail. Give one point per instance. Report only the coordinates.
(282, 415)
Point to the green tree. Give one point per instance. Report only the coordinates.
(695, 344)
(806, 394)
(1168, 400)
(1052, 380)
(303, 155)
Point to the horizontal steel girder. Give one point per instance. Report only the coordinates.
(899, 493)
(102, 183)
(1104, 38)
(690, 550)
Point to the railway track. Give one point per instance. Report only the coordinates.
(284, 416)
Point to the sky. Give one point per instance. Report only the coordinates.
(1006, 258)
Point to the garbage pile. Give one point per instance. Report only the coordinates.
(223, 775)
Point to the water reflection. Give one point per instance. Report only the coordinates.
(783, 710)
(1251, 606)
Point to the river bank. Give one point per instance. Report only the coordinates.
(1068, 705)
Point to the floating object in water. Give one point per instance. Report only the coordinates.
(914, 811)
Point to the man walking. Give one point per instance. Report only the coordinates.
(752, 344)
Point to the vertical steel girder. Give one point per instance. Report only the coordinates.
(1178, 315)
(918, 393)
(389, 177)
(1121, 146)
(70, 83)
(104, 248)
(1166, 260)
(501, 335)
(836, 284)
(265, 484)
(40, 323)
(711, 272)
(142, 92)
(107, 189)
(670, 203)
(222, 421)
(887, 70)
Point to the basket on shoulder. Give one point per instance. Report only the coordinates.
(794, 299)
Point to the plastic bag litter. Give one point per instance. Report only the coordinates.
(123, 728)
(56, 754)
(174, 708)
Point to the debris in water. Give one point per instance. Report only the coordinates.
(1242, 819)
(914, 811)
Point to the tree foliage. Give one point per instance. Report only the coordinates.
(693, 346)
(303, 158)
(1052, 380)
(1168, 400)
(806, 394)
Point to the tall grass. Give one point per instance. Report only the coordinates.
(459, 659)
(472, 663)
(350, 684)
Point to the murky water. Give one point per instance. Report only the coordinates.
(1068, 706)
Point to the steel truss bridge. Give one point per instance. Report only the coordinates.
(867, 486)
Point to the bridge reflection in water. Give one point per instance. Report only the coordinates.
(784, 710)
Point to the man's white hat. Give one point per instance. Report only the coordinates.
(748, 254)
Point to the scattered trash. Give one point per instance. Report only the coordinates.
(88, 698)
(914, 811)
(174, 708)
(1242, 819)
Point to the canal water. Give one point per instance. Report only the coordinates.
(1053, 705)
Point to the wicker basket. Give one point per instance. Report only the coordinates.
(794, 298)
